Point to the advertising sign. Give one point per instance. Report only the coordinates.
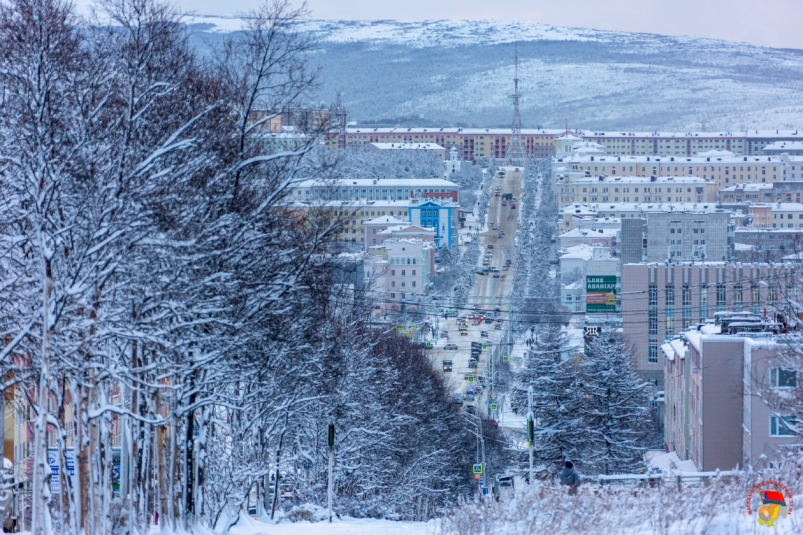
(601, 294)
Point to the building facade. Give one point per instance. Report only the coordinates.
(679, 236)
(675, 296)
(440, 216)
(374, 189)
(635, 189)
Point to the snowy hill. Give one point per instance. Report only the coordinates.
(461, 72)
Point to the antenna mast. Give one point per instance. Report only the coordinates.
(515, 152)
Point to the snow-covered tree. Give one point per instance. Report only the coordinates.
(615, 409)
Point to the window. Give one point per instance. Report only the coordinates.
(413, 270)
(782, 378)
(392, 272)
(653, 357)
(779, 427)
(721, 297)
(404, 272)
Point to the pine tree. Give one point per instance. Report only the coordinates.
(615, 410)
(556, 400)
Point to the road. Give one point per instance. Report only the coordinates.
(489, 293)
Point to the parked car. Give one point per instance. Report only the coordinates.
(444, 334)
(484, 334)
(504, 203)
(499, 236)
(469, 396)
(495, 226)
(472, 363)
(447, 365)
(490, 246)
(489, 320)
(458, 398)
(450, 347)
(463, 332)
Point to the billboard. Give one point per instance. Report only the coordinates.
(601, 294)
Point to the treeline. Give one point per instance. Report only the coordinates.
(170, 330)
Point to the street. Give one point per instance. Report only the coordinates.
(489, 293)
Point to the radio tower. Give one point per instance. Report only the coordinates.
(515, 151)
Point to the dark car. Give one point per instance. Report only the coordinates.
(471, 409)
(484, 334)
(489, 320)
(447, 365)
(473, 363)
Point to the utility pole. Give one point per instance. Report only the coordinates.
(530, 428)
(331, 447)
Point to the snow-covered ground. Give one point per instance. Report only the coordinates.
(346, 526)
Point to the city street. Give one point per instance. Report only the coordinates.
(489, 292)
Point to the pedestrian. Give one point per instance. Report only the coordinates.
(570, 478)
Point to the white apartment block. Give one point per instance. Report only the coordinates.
(725, 169)
(636, 189)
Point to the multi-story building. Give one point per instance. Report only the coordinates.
(675, 296)
(431, 148)
(349, 217)
(398, 272)
(724, 169)
(373, 189)
(636, 189)
(438, 215)
(715, 398)
(574, 215)
(604, 237)
(678, 236)
(766, 244)
(382, 228)
(475, 143)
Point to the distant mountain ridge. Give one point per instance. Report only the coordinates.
(454, 72)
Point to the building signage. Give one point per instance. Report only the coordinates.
(601, 293)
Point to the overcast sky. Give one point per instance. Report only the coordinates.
(777, 23)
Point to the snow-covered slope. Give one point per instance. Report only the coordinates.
(454, 72)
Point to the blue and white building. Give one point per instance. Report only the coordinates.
(442, 216)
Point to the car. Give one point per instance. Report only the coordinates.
(497, 193)
(472, 363)
(495, 226)
(504, 203)
(498, 327)
(469, 396)
(447, 365)
(508, 262)
(479, 388)
(471, 409)
(500, 236)
(504, 268)
(450, 347)
(458, 398)
(463, 332)
(484, 334)
(486, 262)
(489, 320)
(490, 246)
(513, 206)
(476, 345)
(481, 272)
(444, 334)
(495, 272)
(497, 309)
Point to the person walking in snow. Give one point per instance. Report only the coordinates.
(570, 478)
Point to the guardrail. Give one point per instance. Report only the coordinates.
(659, 478)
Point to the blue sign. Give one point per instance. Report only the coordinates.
(485, 490)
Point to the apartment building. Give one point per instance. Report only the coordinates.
(430, 148)
(675, 296)
(724, 169)
(398, 272)
(678, 236)
(605, 237)
(373, 189)
(578, 215)
(475, 143)
(766, 244)
(382, 228)
(350, 216)
(646, 189)
(792, 148)
(714, 412)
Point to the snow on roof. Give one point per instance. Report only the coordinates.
(379, 182)
(747, 187)
(780, 206)
(716, 154)
(406, 228)
(590, 233)
(781, 146)
(407, 146)
(678, 346)
(669, 353)
(595, 208)
(577, 285)
(582, 252)
(386, 220)
(671, 160)
(639, 179)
